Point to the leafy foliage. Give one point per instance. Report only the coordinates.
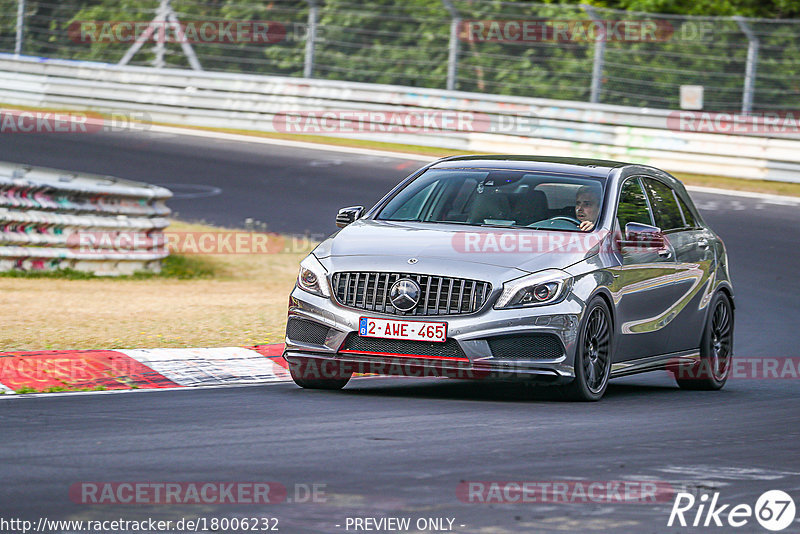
(406, 43)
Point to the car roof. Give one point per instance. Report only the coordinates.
(579, 166)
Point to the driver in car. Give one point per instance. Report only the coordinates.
(587, 204)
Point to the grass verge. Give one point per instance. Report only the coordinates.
(199, 301)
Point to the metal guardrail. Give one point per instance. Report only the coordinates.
(557, 128)
(52, 219)
(544, 50)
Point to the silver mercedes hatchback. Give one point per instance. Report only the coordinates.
(561, 271)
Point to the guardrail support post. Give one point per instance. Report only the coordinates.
(452, 56)
(311, 39)
(20, 27)
(165, 16)
(750, 68)
(161, 47)
(187, 48)
(599, 59)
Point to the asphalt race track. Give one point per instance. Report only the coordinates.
(401, 447)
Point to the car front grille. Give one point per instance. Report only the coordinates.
(374, 345)
(305, 331)
(441, 295)
(526, 347)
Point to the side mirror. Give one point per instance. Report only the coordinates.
(348, 215)
(635, 231)
(644, 235)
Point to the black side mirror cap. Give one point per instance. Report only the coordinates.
(348, 215)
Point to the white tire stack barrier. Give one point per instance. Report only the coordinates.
(52, 219)
(558, 128)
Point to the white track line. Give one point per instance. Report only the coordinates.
(138, 390)
(766, 197)
(163, 390)
(775, 199)
(285, 142)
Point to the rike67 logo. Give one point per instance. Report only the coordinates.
(774, 510)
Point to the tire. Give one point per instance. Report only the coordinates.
(315, 373)
(716, 349)
(593, 354)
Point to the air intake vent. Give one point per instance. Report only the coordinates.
(526, 347)
(440, 295)
(448, 349)
(304, 331)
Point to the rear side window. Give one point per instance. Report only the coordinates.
(632, 205)
(665, 207)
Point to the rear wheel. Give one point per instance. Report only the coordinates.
(592, 354)
(716, 350)
(315, 373)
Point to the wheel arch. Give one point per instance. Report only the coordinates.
(605, 294)
(724, 287)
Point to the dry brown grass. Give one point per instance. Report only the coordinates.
(244, 304)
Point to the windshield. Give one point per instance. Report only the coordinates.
(499, 198)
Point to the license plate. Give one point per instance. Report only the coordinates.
(399, 329)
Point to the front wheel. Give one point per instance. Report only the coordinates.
(716, 350)
(314, 373)
(592, 354)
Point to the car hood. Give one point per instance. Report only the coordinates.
(375, 244)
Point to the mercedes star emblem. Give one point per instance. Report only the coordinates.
(404, 294)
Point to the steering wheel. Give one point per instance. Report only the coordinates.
(576, 222)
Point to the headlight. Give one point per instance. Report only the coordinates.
(545, 287)
(312, 277)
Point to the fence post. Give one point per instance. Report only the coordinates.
(599, 59)
(750, 68)
(452, 56)
(20, 27)
(161, 37)
(165, 16)
(311, 38)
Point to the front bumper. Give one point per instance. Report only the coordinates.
(472, 333)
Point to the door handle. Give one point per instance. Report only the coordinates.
(702, 242)
(664, 253)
